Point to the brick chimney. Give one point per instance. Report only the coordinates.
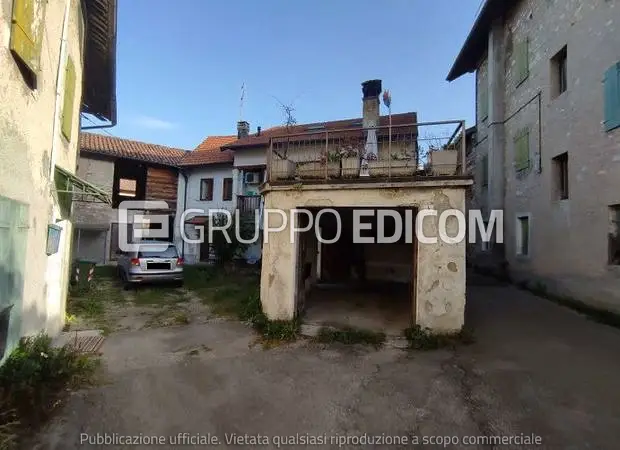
(371, 90)
(243, 129)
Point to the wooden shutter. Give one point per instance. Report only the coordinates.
(69, 100)
(485, 170)
(612, 97)
(522, 149)
(227, 189)
(522, 61)
(484, 102)
(27, 32)
(13, 246)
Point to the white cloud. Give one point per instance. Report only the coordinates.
(154, 123)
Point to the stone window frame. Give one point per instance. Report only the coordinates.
(519, 218)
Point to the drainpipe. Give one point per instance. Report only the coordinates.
(182, 172)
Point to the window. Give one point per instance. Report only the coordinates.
(522, 62)
(614, 235)
(612, 97)
(69, 100)
(26, 37)
(127, 187)
(523, 235)
(206, 189)
(560, 168)
(227, 189)
(559, 74)
(522, 149)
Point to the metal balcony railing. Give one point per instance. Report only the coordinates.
(248, 203)
(432, 149)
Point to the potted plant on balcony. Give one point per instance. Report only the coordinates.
(443, 161)
(282, 169)
(350, 162)
(402, 164)
(327, 165)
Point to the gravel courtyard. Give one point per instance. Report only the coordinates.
(536, 370)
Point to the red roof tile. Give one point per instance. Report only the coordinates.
(204, 157)
(126, 148)
(208, 152)
(214, 143)
(266, 135)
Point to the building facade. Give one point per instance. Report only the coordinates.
(547, 148)
(127, 171)
(47, 61)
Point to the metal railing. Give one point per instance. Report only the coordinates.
(430, 149)
(248, 203)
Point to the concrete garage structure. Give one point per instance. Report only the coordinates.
(437, 276)
(344, 173)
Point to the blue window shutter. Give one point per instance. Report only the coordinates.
(612, 97)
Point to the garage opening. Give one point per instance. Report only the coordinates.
(360, 279)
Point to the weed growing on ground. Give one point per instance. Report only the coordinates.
(33, 379)
(350, 335)
(424, 339)
(271, 331)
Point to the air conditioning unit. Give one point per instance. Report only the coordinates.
(252, 178)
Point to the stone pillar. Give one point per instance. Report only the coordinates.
(496, 159)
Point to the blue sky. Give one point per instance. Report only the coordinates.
(181, 64)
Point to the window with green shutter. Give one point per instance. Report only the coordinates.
(522, 60)
(612, 97)
(483, 101)
(69, 100)
(13, 244)
(522, 149)
(27, 36)
(485, 170)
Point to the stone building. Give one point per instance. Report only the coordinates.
(547, 148)
(50, 53)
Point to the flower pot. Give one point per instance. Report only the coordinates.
(402, 168)
(378, 168)
(282, 169)
(350, 167)
(317, 170)
(444, 162)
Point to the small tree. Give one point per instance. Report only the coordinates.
(225, 243)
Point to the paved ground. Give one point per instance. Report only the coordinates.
(536, 368)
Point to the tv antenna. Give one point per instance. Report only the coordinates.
(241, 102)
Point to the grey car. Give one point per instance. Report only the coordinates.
(152, 262)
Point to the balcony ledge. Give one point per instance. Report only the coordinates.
(371, 183)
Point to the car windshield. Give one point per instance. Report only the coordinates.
(170, 252)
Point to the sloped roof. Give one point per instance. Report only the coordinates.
(265, 135)
(208, 152)
(129, 149)
(477, 41)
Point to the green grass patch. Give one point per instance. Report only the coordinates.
(90, 301)
(158, 295)
(33, 381)
(351, 335)
(424, 339)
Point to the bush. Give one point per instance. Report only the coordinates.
(32, 379)
(251, 311)
(227, 249)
